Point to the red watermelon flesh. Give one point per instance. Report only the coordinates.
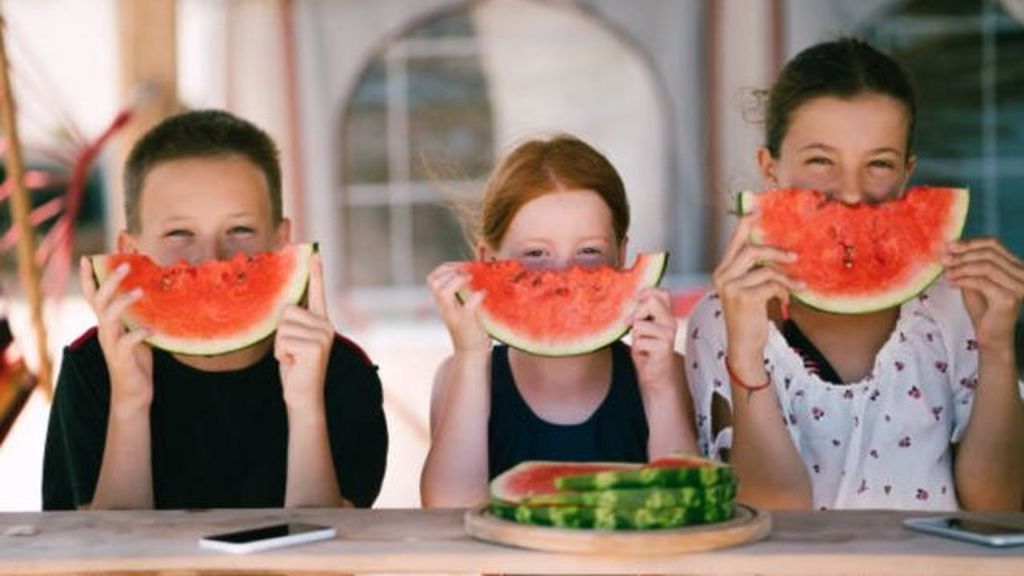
(560, 312)
(858, 258)
(216, 306)
(534, 478)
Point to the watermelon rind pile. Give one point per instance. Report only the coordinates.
(215, 307)
(859, 258)
(563, 312)
(669, 493)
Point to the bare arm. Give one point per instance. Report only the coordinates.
(989, 467)
(456, 469)
(312, 479)
(302, 346)
(126, 474)
(662, 377)
(455, 473)
(768, 465)
(770, 469)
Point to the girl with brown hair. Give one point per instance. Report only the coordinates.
(915, 406)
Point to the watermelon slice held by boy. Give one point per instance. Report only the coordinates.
(214, 307)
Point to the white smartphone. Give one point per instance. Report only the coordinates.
(266, 537)
(977, 531)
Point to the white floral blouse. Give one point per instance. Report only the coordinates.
(883, 442)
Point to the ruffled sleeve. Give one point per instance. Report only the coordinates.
(705, 372)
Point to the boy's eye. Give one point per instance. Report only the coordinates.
(241, 230)
(533, 253)
(591, 251)
(178, 233)
(819, 160)
(887, 164)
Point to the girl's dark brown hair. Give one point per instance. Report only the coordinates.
(843, 68)
(539, 167)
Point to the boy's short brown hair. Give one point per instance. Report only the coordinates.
(200, 134)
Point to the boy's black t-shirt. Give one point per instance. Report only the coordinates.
(218, 439)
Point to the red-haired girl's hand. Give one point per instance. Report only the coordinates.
(461, 318)
(992, 282)
(654, 336)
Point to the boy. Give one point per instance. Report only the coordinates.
(293, 420)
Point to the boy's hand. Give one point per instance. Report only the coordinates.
(654, 337)
(129, 359)
(991, 279)
(303, 343)
(461, 319)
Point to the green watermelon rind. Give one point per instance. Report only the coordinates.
(648, 477)
(861, 304)
(629, 498)
(293, 292)
(654, 264)
(614, 519)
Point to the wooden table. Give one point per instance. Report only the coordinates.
(811, 543)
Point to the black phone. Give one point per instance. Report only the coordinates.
(968, 529)
(266, 537)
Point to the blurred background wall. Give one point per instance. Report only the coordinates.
(388, 112)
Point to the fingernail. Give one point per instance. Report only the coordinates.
(136, 292)
(792, 256)
(122, 268)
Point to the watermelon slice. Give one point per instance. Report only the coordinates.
(615, 495)
(539, 478)
(534, 478)
(859, 258)
(214, 307)
(560, 312)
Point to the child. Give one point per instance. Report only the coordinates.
(294, 420)
(912, 407)
(552, 204)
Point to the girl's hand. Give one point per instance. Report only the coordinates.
(654, 336)
(991, 280)
(746, 280)
(129, 359)
(461, 318)
(302, 345)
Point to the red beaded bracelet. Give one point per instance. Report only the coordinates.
(739, 381)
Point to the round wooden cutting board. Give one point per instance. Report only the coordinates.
(749, 524)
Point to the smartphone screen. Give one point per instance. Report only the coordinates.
(266, 537)
(977, 531)
(265, 533)
(983, 528)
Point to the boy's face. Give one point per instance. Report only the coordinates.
(198, 209)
